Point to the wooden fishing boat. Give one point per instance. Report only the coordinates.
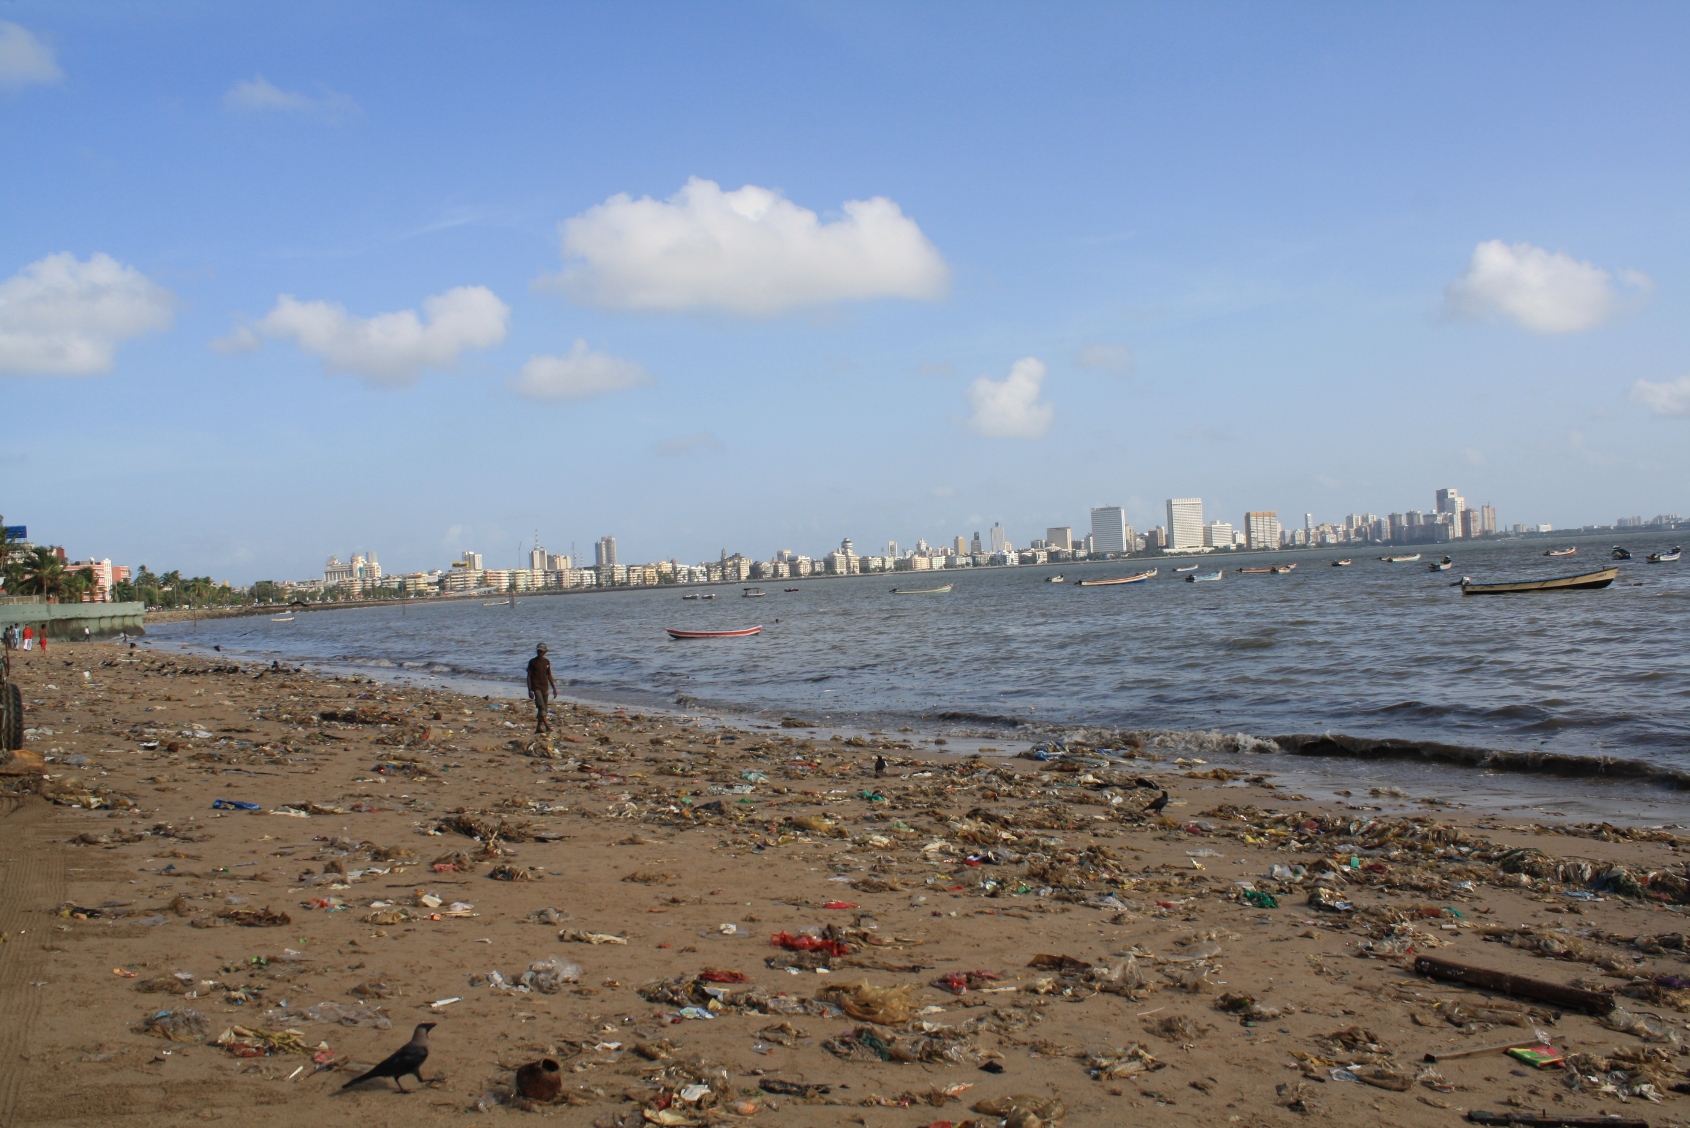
(1344, 563)
(1621, 553)
(1281, 569)
(1400, 559)
(1139, 578)
(1443, 565)
(741, 633)
(1059, 578)
(1256, 571)
(923, 591)
(751, 593)
(288, 618)
(1667, 557)
(708, 595)
(1597, 579)
(694, 596)
(789, 589)
(1188, 568)
(1561, 551)
(1211, 578)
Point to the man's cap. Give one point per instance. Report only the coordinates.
(541, 649)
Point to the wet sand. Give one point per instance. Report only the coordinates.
(127, 896)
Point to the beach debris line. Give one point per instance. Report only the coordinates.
(1595, 1002)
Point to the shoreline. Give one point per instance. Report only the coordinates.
(1198, 961)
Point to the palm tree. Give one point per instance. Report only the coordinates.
(46, 572)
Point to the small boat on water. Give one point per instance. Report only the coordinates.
(1212, 578)
(923, 591)
(288, 618)
(1561, 551)
(1344, 563)
(1443, 565)
(689, 597)
(789, 589)
(1667, 557)
(1187, 568)
(1598, 579)
(1282, 569)
(1059, 578)
(751, 593)
(1255, 571)
(1138, 578)
(708, 595)
(1400, 559)
(675, 632)
(1621, 553)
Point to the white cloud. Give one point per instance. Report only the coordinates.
(1670, 398)
(580, 374)
(749, 251)
(61, 317)
(703, 442)
(24, 59)
(1115, 359)
(1539, 290)
(258, 95)
(1010, 408)
(389, 348)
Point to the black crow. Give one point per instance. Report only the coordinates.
(1155, 805)
(880, 765)
(408, 1058)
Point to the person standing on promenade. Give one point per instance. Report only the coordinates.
(541, 686)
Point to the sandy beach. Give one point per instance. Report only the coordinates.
(232, 887)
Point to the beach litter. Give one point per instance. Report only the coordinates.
(1596, 1002)
(580, 936)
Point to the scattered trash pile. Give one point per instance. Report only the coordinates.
(545, 977)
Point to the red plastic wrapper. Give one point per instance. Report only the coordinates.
(841, 905)
(717, 975)
(808, 944)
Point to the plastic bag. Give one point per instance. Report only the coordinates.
(550, 976)
(183, 1024)
(884, 1006)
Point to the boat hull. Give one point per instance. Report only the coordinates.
(1583, 582)
(923, 591)
(676, 633)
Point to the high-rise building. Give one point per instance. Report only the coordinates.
(892, 549)
(604, 553)
(537, 558)
(1060, 537)
(998, 541)
(1217, 534)
(961, 545)
(1261, 529)
(1452, 503)
(1308, 522)
(1185, 522)
(975, 549)
(1109, 530)
(559, 562)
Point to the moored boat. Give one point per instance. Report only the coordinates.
(1281, 569)
(1400, 559)
(693, 596)
(1585, 580)
(1137, 578)
(1443, 565)
(1344, 563)
(1211, 578)
(923, 591)
(1187, 568)
(751, 593)
(1621, 553)
(1666, 557)
(789, 589)
(675, 632)
(1256, 571)
(1562, 551)
(288, 618)
(1059, 578)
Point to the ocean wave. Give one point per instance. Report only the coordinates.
(1493, 759)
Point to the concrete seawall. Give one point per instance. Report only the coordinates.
(66, 620)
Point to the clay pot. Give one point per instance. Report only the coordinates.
(540, 1080)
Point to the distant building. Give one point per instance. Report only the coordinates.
(844, 561)
(604, 553)
(1109, 530)
(1217, 534)
(1060, 537)
(961, 546)
(104, 574)
(975, 548)
(1450, 504)
(892, 549)
(999, 543)
(1261, 529)
(471, 560)
(1156, 538)
(360, 572)
(1185, 523)
(556, 562)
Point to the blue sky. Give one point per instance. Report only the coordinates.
(280, 281)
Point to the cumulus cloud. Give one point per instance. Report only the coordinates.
(580, 374)
(389, 348)
(1114, 359)
(259, 95)
(61, 317)
(1671, 398)
(1010, 408)
(749, 251)
(24, 59)
(1539, 290)
(702, 442)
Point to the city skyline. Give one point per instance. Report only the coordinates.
(869, 282)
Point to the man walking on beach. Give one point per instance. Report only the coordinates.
(541, 686)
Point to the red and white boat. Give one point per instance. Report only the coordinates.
(675, 632)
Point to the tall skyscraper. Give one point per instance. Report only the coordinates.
(1308, 523)
(537, 557)
(975, 548)
(998, 541)
(1060, 537)
(892, 549)
(1109, 531)
(961, 545)
(1452, 503)
(604, 553)
(1261, 529)
(1185, 522)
